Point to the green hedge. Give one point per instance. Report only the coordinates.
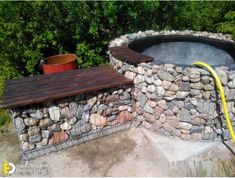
(30, 31)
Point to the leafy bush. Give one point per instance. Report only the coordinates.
(228, 26)
(31, 31)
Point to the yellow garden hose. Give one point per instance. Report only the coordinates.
(221, 92)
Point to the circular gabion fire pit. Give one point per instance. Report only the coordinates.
(173, 97)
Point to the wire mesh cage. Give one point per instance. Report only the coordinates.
(58, 124)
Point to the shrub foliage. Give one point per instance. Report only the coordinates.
(30, 31)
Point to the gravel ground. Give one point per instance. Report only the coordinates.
(129, 153)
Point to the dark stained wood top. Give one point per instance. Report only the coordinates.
(42, 88)
(124, 53)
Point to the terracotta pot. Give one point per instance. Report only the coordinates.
(59, 63)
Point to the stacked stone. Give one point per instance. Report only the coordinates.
(54, 122)
(179, 101)
(124, 39)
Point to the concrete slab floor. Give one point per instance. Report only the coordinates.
(129, 153)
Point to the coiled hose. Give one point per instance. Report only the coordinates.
(221, 92)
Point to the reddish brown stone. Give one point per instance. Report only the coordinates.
(58, 137)
(149, 117)
(124, 116)
(158, 111)
(114, 122)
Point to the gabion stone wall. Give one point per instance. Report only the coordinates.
(178, 101)
(58, 124)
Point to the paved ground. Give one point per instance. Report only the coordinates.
(131, 153)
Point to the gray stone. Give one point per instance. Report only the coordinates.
(140, 70)
(193, 101)
(162, 104)
(35, 138)
(46, 134)
(66, 113)
(196, 129)
(226, 135)
(85, 116)
(130, 75)
(169, 93)
(151, 88)
(231, 95)
(231, 84)
(206, 107)
(209, 87)
(188, 106)
(139, 79)
(30, 111)
(162, 119)
(176, 133)
(80, 110)
(194, 92)
(55, 127)
(120, 91)
(65, 126)
(142, 99)
(157, 82)
(197, 86)
(171, 104)
(37, 115)
(194, 74)
(87, 108)
(195, 80)
(73, 107)
(166, 84)
(179, 69)
(79, 128)
(27, 146)
(205, 79)
(174, 88)
(19, 124)
(24, 137)
(185, 125)
(222, 75)
(54, 113)
(175, 110)
(164, 75)
(185, 115)
(30, 121)
(72, 120)
(185, 78)
(160, 91)
(182, 95)
(148, 109)
(92, 101)
(44, 142)
(102, 107)
(149, 80)
(125, 96)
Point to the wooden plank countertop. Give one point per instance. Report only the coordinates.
(42, 88)
(125, 54)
